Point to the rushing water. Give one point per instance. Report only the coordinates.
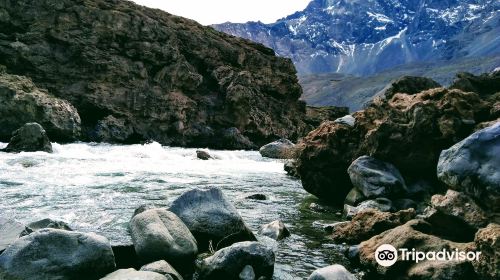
(96, 187)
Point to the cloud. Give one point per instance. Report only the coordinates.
(218, 11)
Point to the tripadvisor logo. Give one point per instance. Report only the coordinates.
(386, 255)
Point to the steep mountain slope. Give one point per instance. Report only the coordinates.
(135, 73)
(363, 37)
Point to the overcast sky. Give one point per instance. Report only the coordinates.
(218, 11)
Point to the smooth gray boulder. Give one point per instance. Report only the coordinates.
(159, 234)
(472, 166)
(275, 230)
(382, 204)
(229, 262)
(45, 223)
(58, 254)
(211, 218)
(376, 178)
(280, 149)
(31, 137)
(162, 267)
(132, 274)
(203, 155)
(10, 231)
(332, 272)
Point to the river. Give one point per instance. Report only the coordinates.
(96, 187)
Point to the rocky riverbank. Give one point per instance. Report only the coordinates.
(417, 169)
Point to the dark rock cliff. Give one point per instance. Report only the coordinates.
(157, 76)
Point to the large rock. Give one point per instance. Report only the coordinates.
(471, 166)
(485, 84)
(10, 231)
(376, 178)
(381, 204)
(488, 243)
(462, 207)
(229, 262)
(164, 268)
(211, 218)
(45, 223)
(332, 272)
(158, 234)
(132, 274)
(368, 223)
(409, 131)
(416, 234)
(275, 230)
(166, 78)
(281, 149)
(23, 102)
(31, 137)
(408, 85)
(58, 254)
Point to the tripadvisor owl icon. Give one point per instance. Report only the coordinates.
(386, 255)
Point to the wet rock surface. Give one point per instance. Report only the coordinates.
(280, 149)
(31, 137)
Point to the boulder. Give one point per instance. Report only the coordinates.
(132, 274)
(488, 243)
(159, 234)
(347, 120)
(58, 254)
(416, 234)
(211, 218)
(275, 230)
(164, 268)
(354, 197)
(153, 71)
(229, 262)
(45, 223)
(484, 84)
(247, 273)
(460, 206)
(10, 231)
(368, 223)
(280, 149)
(31, 137)
(381, 204)
(445, 226)
(332, 272)
(471, 167)
(409, 131)
(257, 196)
(23, 102)
(375, 178)
(408, 85)
(203, 155)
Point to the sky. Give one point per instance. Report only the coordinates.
(219, 11)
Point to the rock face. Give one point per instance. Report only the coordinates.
(417, 234)
(275, 230)
(410, 131)
(31, 137)
(368, 223)
(163, 77)
(488, 242)
(129, 274)
(409, 85)
(160, 235)
(23, 102)
(58, 254)
(375, 178)
(10, 231)
(211, 218)
(229, 262)
(471, 166)
(332, 272)
(281, 149)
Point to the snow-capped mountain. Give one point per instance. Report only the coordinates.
(363, 37)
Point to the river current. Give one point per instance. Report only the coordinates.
(96, 187)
